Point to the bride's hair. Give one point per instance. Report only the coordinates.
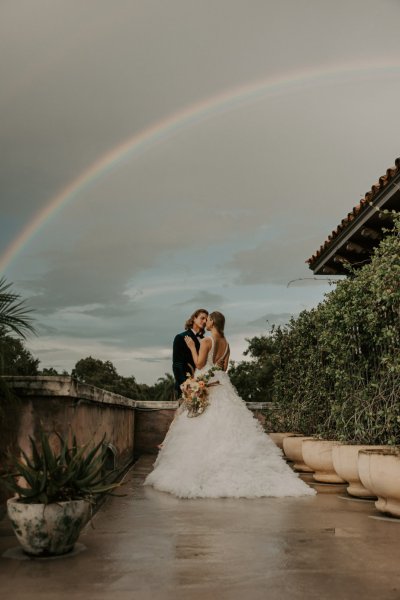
(218, 322)
(190, 321)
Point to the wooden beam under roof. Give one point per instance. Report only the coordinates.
(357, 248)
(370, 233)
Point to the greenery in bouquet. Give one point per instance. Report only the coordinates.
(195, 391)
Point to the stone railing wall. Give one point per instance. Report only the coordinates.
(64, 405)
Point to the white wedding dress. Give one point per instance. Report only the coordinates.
(224, 452)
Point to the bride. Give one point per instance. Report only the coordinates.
(224, 452)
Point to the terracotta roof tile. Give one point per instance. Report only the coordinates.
(364, 202)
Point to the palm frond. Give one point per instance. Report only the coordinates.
(14, 314)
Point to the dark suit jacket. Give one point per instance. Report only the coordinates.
(182, 359)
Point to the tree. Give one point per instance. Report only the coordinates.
(103, 374)
(95, 372)
(128, 386)
(164, 389)
(14, 317)
(15, 358)
(253, 378)
(14, 314)
(51, 371)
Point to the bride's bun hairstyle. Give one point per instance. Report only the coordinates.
(218, 320)
(190, 321)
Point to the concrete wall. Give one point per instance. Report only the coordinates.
(152, 421)
(62, 404)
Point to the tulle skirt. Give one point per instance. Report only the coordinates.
(224, 452)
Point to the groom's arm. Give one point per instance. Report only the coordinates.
(179, 361)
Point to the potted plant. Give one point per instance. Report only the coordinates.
(379, 471)
(346, 464)
(279, 436)
(292, 447)
(55, 489)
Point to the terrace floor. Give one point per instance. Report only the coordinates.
(151, 545)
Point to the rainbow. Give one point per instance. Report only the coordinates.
(188, 117)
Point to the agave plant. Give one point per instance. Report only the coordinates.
(72, 473)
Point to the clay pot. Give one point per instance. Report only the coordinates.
(317, 455)
(292, 447)
(48, 529)
(345, 462)
(379, 471)
(278, 438)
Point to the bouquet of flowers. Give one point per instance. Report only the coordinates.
(195, 392)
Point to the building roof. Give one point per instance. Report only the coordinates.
(366, 209)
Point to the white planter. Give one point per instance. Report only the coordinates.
(48, 529)
(379, 471)
(278, 438)
(345, 462)
(317, 455)
(292, 447)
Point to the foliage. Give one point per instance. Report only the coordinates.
(72, 473)
(103, 374)
(300, 390)
(15, 358)
(14, 315)
(338, 372)
(253, 378)
(95, 372)
(164, 389)
(52, 371)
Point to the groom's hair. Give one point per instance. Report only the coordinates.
(190, 321)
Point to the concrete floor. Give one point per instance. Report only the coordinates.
(150, 545)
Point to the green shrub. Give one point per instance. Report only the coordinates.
(338, 373)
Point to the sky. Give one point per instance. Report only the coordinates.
(158, 157)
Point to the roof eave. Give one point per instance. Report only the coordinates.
(360, 220)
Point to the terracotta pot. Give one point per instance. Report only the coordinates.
(292, 447)
(379, 471)
(345, 462)
(278, 438)
(317, 455)
(48, 529)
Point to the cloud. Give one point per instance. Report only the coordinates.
(203, 299)
(150, 360)
(123, 309)
(278, 260)
(270, 319)
(50, 351)
(45, 329)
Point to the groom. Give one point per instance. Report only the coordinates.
(182, 360)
